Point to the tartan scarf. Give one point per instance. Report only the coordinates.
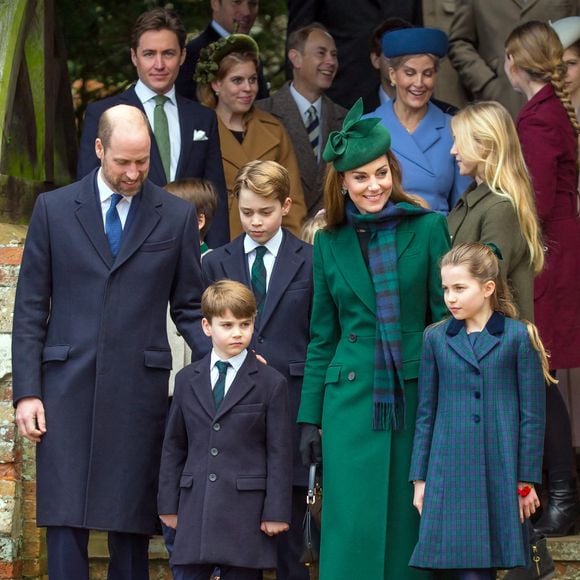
(388, 387)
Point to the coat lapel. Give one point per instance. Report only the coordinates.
(490, 336)
(242, 385)
(88, 214)
(458, 340)
(286, 265)
(145, 221)
(201, 385)
(235, 263)
(186, 130)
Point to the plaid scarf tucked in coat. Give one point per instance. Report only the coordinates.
(388, 388)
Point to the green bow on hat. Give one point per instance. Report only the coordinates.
(359, 142)
(211, 56)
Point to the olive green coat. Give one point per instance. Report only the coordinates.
(484, 216)
(369, 527)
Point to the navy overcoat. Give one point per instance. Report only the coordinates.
(224, 472)
(90, 340)
(479, 430)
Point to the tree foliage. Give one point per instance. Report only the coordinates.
(97, 35)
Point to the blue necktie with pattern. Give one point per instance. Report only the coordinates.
(113, 227)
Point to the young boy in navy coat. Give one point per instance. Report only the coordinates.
(225, 477)
(282, 328)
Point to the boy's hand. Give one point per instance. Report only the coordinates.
(528, 504)
(30, 418)
(418, 495)
(170, 520)
(274, 528)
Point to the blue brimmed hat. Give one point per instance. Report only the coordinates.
(359, 142)
(568, 30)
(415, 41)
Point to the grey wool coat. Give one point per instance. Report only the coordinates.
(479, 430)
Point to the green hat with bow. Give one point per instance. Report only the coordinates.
(359, 142)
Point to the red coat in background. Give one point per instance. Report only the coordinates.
(549, 145)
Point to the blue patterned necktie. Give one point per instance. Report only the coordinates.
(113, 227)
(219, 388)
(259, 277)
(313, 130)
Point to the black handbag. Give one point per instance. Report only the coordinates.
(312, 517)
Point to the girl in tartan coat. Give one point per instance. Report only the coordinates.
(479, 432)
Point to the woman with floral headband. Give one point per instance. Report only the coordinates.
(377, 286)
(227, 81)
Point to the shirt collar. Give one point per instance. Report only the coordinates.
(236, 361)
(105, 192)
(303, 103)
(146, 94)
(219, 29)
(273, 244)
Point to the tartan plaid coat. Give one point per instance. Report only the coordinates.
(479, 430)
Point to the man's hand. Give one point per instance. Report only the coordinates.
(170, 520)
(30, 418)
(274, 528)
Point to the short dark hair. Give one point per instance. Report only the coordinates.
(199, 192)
(387, 25)
(229, 295)
(158, 19)
(297, 38)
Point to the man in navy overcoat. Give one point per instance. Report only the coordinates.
(91, 358)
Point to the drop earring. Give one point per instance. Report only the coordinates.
(343, 190)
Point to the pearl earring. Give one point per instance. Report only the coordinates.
(343, 190)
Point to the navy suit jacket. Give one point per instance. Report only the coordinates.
(186, 86)
(282, 331)
(199, 158)
(224, 471)
(90, 341)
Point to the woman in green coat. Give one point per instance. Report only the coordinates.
(376, 287)
(500, 207)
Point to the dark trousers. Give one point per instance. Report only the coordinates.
(204, 572)
(67, 550)
(290, 544)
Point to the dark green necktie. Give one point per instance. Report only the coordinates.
(259, 277)
(161, 132)
(219, 388)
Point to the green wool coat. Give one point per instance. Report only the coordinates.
(369, 526)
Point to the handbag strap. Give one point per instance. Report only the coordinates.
(311, 496)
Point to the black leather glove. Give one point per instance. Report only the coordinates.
(310, 444)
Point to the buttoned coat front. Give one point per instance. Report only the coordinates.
(224, 472)
(265, 139)
(284, 108)
(428, 168)
(282, 330)
(484, 216)
(90, 341)
(369, 526)
(479, 431)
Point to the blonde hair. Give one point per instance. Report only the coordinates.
(334, 200)
(535, 48)
(483, 265)
(199, 192)
(205, 93)
(313, 225)
(485, 134)
(227, 295)
(265, 178)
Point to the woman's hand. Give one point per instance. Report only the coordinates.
(528, 504)
(310, 444)
(418, 495)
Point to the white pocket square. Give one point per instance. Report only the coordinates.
(199, 136)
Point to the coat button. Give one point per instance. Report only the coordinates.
(216, 426)
(477, 395)
(351, 376)
(213, 451)
(260, 339)
(476, 418)
(352, 337)
(212, 477)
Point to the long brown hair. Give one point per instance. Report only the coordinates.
(483, 265)
(334, 199)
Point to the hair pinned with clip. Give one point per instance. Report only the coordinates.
(496, 251)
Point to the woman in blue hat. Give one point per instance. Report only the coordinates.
(376, 287)
(420, 131)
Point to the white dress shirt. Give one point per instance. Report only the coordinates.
(272, 245)
(235, 363)
(147, 98)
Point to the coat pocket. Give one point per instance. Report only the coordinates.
(248, 408)
(251, 483)
(332, 374)
(186, 481)
(56, 352)
(296, 369)
(158, 246)
(158, 359)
